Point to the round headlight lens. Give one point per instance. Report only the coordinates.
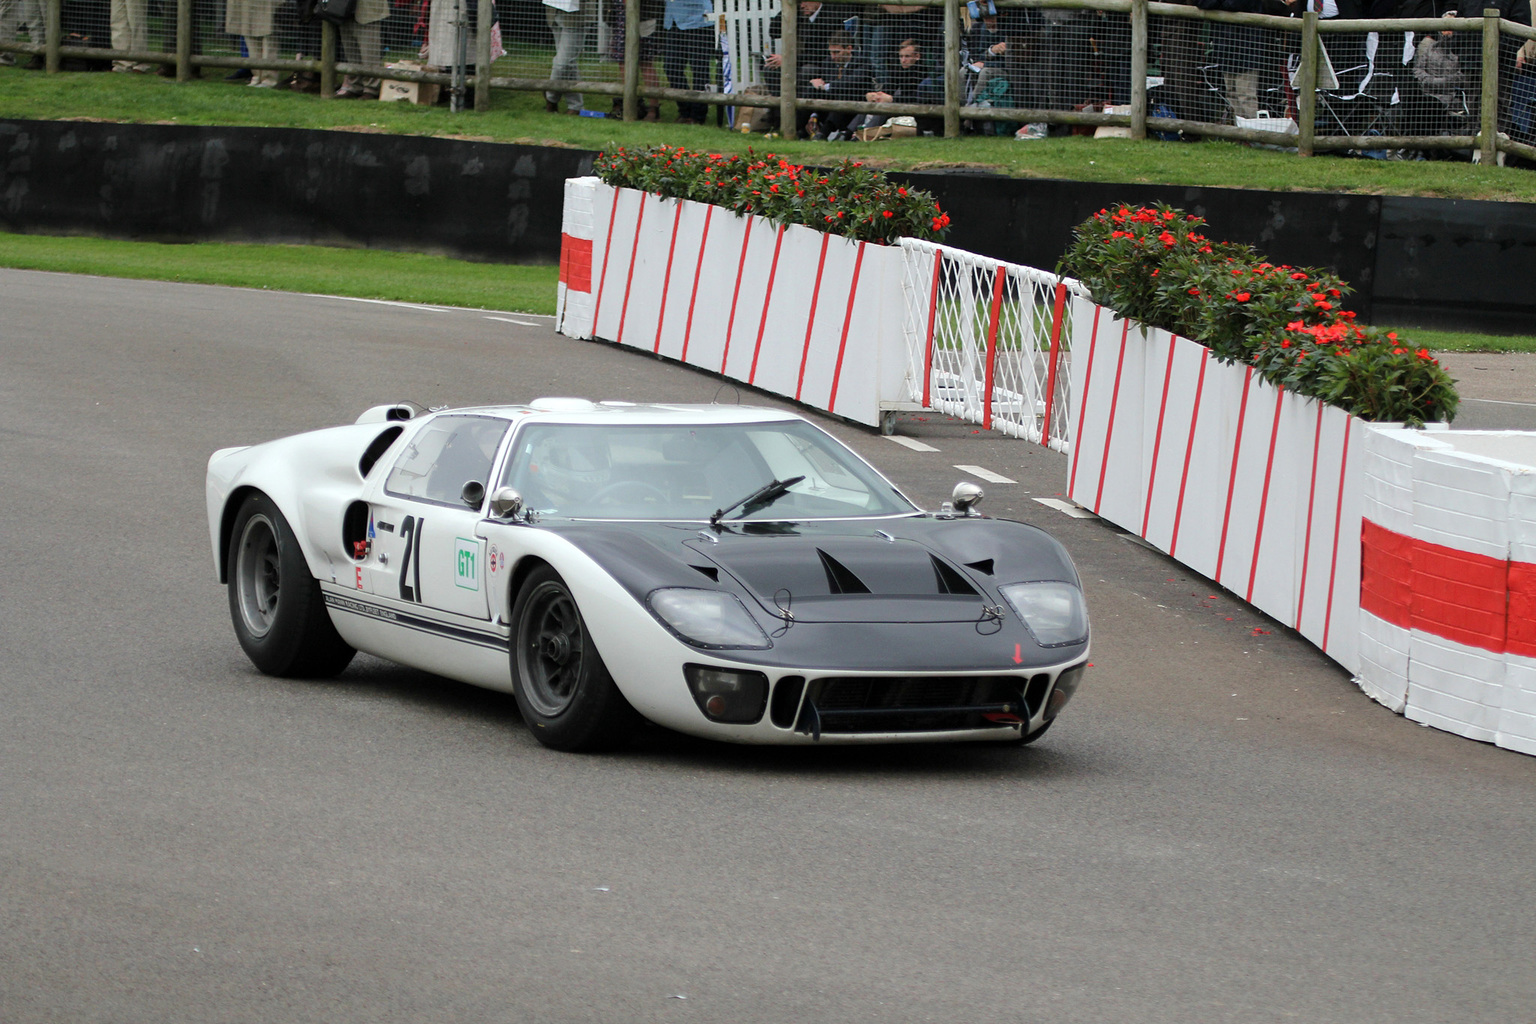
(708, 618)
(1054, 612)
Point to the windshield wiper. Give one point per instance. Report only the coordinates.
(761, 498)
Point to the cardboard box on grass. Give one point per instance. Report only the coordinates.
(422, 94)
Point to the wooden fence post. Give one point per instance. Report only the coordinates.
(483, 18)
(789, 67)
(184, 40)
(54, 35)
(632, 60)
(952, 83)
(1138, 69)
(327, 60)
(1306, 85)
(1489, 141)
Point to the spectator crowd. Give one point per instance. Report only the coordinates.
(1031, 58)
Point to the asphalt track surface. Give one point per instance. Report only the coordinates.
(1220, 828)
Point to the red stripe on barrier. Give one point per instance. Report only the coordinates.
(1000, 279)
(933, 309)
(762, 323)
(1306, 544)
(1082, 406)
(576, 262)
(746, 237)
(1478, 600)
(1114, 407)
(1269, 468)
(1522, 610)
(666, 280)
(602, 278)
(810, 319)
(1189, 450)
(1237, 450)
(698, 269)
(1157, 439)
(629, 276)
(1050, 373)
(1338, 515)
(853, 290)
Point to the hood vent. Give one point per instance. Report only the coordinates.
(985, 565)
(709, 571)
(840, 579)
(950, 581)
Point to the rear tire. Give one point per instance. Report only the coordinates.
(275, 604)
(563, 689)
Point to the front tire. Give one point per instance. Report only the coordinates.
(275, 604)
(563, 689)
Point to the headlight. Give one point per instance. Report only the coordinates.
(1054, 612)
(708, 618)
(728, 694)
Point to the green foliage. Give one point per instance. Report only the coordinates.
(1152, 264)
(849, 199)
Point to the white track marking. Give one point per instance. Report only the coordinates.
(1067, 508)
(509, 320)
(986, 474)
(907, 442)
(388, 302)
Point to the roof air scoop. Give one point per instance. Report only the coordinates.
(840, 579)
(984, 566)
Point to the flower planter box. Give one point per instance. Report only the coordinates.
(812, 317)
(1254, 487)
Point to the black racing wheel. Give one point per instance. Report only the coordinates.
(276, 606)
(563, 689)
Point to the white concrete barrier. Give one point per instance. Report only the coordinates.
(800, 313)
(1247, 484)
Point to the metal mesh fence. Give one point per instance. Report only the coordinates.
(1068, 66)
(988, 341)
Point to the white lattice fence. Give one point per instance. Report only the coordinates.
(988, 341)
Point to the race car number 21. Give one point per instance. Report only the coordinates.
(410, 567)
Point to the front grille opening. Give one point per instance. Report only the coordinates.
(869, 704)
(786, 700)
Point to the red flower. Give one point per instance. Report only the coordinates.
(1194, 291)
(888, 213)
(1242, 296)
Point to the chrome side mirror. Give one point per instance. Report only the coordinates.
(966, 496)
(473, 494)
(506, 503)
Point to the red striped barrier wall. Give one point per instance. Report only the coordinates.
(796, 312)
(1247, 484)
(573, 293)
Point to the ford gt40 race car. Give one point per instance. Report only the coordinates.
(725, 571)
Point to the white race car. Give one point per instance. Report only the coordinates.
(726, 571)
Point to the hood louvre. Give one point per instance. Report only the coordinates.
(707, 570)
(840, 579)
(950, 581)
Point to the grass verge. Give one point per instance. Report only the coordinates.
(520, 117)
(362, 273)
(1466, 341)
(397, 276)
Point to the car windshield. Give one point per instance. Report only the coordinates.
(688, 471)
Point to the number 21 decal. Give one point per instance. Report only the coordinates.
(410, 569)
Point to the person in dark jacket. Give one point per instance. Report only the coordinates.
(840, 76)
(1245, 53)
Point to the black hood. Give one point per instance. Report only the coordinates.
(871, 577)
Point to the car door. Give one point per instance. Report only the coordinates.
(424, 545)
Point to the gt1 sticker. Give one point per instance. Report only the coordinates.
(466, 563)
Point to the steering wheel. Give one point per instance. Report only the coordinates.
(642, 489)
